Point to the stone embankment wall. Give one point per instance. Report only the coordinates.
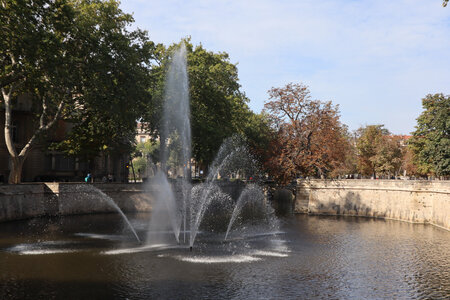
(49, 199)
(25, 201)
(412, 201)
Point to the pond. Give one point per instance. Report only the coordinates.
(96, 257)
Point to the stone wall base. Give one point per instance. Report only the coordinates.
(412, 201)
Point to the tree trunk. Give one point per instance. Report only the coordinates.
(18, 159)
(15, 176)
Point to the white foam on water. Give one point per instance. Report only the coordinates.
(45, 251)
(38, 245)
(54, 243)
(218, 259)
(234, 239)
(136, 249)
(18, 248)
(36, 248)
(254, 236)
(269, 253)
(170, 232)
(264, 234)
(101, 236)
(280, 246)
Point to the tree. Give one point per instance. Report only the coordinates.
(408, 162)
(369, 140)
(350, 163)
(217, 104)
(431, 139)
(146, 155)
(114, 75)
(84, 66)
(445, 3)
(148, 149)
(379, 152)
(388, 159)
(259, 135)
(310, 137)
(32, 45)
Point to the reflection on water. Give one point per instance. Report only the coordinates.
(86, 257)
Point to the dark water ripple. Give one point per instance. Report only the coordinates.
(312, 258)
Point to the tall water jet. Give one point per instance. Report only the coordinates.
(176, 125)
(166, 216)
(176, 142)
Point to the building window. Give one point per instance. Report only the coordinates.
(48, 161)
(63, 163)
(142, 139)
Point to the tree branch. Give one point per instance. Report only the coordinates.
(10, 78)
(44, 112)
(42, 129)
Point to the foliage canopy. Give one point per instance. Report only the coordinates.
(310, 139)
(78, 61)
(431, 139)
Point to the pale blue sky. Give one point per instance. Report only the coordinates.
(375, 58)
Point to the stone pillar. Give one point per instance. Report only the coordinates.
(302, 198)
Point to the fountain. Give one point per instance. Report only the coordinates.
(179, 204)
(226, 219)
(92, 193)
(176, 145)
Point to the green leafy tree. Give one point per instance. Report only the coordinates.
(148, 149)
(34, 38)
(145, 155)
(259, 135)
(368, 143)
(431, 139)
(79, 62)
(379, 152)
(217, 104)
(140, 166)
(114, 73)
(388, 159)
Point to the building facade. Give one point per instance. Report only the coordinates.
(43, 164)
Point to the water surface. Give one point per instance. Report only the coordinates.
(95, 257)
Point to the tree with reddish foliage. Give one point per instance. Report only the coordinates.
(310, 139)
(408, 163)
